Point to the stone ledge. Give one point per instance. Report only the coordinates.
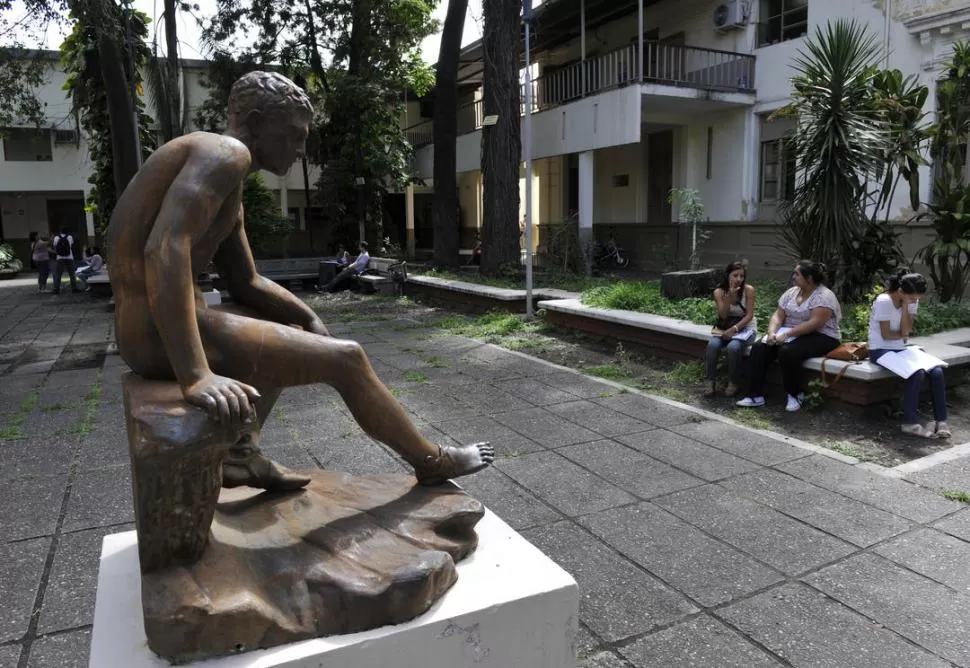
(488, 291)
(939, 345)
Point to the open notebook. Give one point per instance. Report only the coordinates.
(905, 363)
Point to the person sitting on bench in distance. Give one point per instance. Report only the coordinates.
(345, 279)
(182, 210)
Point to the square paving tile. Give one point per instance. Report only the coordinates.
(578, 384)
(630, 469)
(617, 599)
(546, 429)
(357, 455)
(63, 650)
(895, 496)
(685, 558)
(73, 581)
(489, 399)
(952, 476)
(649, 410)
(35, 457)
(516, 505)
(483, 428)
(840, 516)
(701, 642)
(535, 392)
(31, 506)
(9, 656)
(741, 442)
(957, 524)
(774, 538)
(100, 498)
(603, 659)
(936, 555)
(563, 484)
(21, 567)
(601, 420)
(806, 628)
(928, 613)
(703, 461)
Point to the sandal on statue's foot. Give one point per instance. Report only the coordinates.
(453, 461)
(255, 470)
(918, 430)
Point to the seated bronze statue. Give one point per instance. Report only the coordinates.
(182, 211)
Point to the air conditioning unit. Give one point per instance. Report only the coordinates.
(730, 15)
(65, 136)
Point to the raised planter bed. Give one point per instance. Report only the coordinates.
(863, 384)
(471, 297)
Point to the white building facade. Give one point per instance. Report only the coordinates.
(620, 119)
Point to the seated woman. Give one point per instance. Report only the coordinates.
(734, 329)
(95, 263)
(890, 324)
(805, 324)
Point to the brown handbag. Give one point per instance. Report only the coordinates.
(852, 351)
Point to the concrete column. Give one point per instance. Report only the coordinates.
(586, 166)
(751, 166)
(409, 218)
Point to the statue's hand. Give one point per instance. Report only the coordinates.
(224, 398)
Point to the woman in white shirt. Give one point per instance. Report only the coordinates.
(890, 324)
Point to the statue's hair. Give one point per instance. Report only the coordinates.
(268, 92)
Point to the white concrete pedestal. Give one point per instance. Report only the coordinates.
(512, 607)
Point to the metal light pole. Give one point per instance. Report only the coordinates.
(527, 142)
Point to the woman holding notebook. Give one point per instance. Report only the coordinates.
(735, 328)
(805, 324)
(890, 324)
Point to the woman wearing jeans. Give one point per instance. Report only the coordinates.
(805, 324)
(734, 329)
(890, 324)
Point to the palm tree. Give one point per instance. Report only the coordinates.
(840, 144)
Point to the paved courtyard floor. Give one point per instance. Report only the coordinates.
(695, 542)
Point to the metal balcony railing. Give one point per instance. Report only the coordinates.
(667, 64)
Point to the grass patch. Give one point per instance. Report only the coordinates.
(12, 429)
(518, 343)
(58, 406)
(11, 432)
(371, 317)
(436, 363)
(954, 495)
(415, 377)
(489, 325)
(686, 373)
(848, 449)
(91, 401)
(696, 419)
(750, 417)
(672, 393)
(610, 371)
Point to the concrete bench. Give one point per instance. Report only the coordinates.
(292, 272)
(383, 276)
(100, 284)
(862, 384)
(468, 296)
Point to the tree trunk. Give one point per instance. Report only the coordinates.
(171, 72)
(445, 135)
(501, 142)
(124, 151)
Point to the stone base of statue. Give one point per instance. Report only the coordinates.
(511, 605)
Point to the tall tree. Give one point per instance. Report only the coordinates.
(22, 69)
(501, 141)
(445, 134)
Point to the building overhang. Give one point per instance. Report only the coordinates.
(939, 24)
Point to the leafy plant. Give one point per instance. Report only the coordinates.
(948, 254)
(266, 226)
(8, 259)
(691, 213)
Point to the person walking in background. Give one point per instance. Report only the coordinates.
(94, 265)
(735, 328)
(890, 324)
(63, 245)
(40, 255)
(805, 324)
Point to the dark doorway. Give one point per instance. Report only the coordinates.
(660, 176)
(572, 186)
(67, 214)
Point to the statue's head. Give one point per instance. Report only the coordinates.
(274, 114)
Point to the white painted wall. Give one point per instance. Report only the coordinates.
(724, 193)
(618, 204)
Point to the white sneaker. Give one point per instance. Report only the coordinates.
(801, 397)
(751, 402)
(794, 403)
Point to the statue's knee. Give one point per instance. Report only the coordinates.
(353, 355)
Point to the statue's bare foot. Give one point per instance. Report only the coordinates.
(453, 462)
(255, 470)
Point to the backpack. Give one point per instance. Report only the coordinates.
(63, 246)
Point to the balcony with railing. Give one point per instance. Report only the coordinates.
(663, 64)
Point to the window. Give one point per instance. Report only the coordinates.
(27, 145)
(782, 20)
(777, 171)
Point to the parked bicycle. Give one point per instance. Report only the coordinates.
(610, 256)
